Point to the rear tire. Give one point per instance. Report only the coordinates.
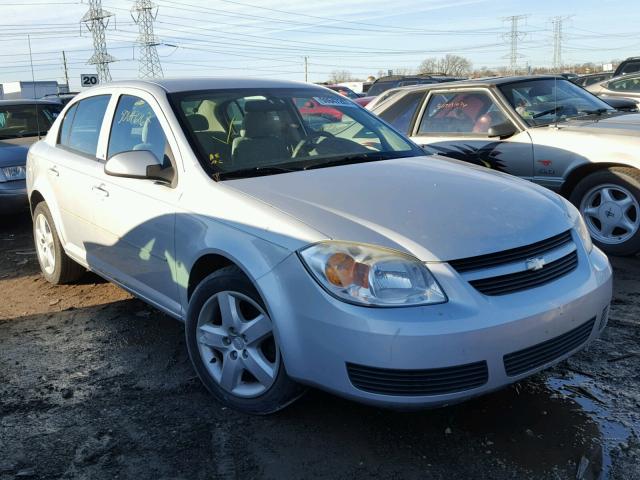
(609, 201)
(231, 344)
(55, 264)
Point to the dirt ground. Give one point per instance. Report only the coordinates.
(96, 385)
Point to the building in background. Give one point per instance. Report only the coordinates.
(38, 89)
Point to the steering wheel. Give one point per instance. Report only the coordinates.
(309, 141)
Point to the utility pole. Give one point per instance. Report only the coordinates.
(513, 36)
(96, 20)
(144, 12)
(306, 69)
(66, 71)
(557, 22)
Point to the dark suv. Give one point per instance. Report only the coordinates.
(630, 65)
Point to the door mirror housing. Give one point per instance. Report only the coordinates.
(141, 164)
(502, 130)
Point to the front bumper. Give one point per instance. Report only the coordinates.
(13, 197)
(319, 335)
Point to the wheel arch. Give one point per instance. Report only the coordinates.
(581, 171)
(34, 199)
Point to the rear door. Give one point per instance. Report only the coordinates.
(455, 123)
(71, 170)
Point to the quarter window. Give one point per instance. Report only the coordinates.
(401, 112)
(463, 112)
(136, 127)
(81, 126)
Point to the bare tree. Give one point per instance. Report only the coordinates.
(338, 76)
(447, 65)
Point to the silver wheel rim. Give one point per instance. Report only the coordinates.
(44, 244)
(611, 213)
(236, 344)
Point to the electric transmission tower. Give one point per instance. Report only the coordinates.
(513, 36)
(557, 22)
(144, 12)
(96, 20)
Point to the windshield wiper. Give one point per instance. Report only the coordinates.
(557, 109)
(257, 171)
(597, 111)
(346, 160)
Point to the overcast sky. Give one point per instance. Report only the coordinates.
(270, 38)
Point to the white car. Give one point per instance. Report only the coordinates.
(541, 128)
(312, 249)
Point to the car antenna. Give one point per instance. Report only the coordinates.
(33, 81)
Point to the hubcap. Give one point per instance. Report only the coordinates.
(44, 244)
(611, 213)
(236, 344)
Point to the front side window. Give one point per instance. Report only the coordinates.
(82, 123)
(543, 101)
(400, 113)
(631, 84)
(264, 131)
(470, 113)
(136, 127)
(26, 119)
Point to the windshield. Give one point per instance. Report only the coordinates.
(547, 100)
(21, 120)
(260, 132)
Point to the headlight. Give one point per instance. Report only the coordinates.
(14, 173)
(371, 276)
(578, 224)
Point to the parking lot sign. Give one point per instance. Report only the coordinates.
(88, 79)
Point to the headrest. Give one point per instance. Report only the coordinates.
(260, 124)
(198, 122)
(263, 106)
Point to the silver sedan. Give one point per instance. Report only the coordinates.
(305, 242)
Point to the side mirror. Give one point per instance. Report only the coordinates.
(140, 164)
(502, 130)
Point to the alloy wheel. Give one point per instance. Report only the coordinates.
(45, 244)
(236, 344)
(611, 213)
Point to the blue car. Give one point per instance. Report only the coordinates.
(21, 123)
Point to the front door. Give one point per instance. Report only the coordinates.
(456, 124)
(137, 216)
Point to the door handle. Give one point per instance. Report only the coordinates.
(54, 171)
(100, 190)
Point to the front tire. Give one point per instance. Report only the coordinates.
(232, 346)
(55, 264)
(609, 201)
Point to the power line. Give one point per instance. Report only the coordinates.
(97, 20)
(144, 12)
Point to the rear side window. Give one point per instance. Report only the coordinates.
(86, 120)
(626, 84)
(136, 127)
(401, 112)
(463, 112)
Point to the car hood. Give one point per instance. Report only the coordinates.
(616, 124)
(13, 151)
(433, 208)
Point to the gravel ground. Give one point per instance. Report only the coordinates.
(96, 385)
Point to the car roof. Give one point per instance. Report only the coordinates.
(27, 101)
(174, 85)
(482, 82)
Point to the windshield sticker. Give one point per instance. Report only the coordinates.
(334, 101)
(452, 105)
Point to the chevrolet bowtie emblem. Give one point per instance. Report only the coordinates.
(534, 264)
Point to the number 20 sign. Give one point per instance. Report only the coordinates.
(88, 79)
